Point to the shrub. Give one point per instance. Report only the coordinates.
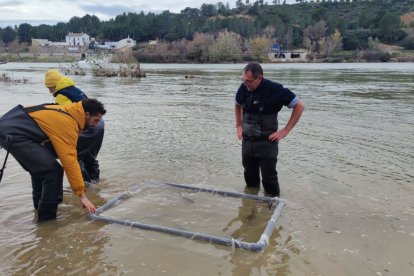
(408, 43)
(376, 56)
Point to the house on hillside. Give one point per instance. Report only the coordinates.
(77, 39)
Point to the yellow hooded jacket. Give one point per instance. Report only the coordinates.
(63, 131)
(63, 82)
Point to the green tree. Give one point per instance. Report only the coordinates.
(61, 30)
(190, 13)
(24, 31)
(75, 25)
(222, 9)
(208, 10)
(240, 6)
(8, 35)
(351, 42)
(389, 28)
(408, 43)
(45, 32)
(91, 25)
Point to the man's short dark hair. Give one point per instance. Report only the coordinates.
(93, 106)
(255, 68)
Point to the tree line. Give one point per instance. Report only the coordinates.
(292, 26)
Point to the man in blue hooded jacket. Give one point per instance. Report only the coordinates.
(90, 141)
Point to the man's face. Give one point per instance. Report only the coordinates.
(92, 121)
(250, 81)
(52, 89)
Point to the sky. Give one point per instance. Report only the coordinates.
(35, 12)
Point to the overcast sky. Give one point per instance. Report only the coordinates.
(49, 12)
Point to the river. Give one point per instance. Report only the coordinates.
(346, 171)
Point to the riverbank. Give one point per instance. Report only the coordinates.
(340, 56)
(43, 57)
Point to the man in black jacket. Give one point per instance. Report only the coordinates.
(258, 102)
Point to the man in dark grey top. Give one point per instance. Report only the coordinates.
(258, 102)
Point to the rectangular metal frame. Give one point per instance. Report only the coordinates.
(258, 246)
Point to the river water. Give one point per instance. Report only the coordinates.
(346, 171)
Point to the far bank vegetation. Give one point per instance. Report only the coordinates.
(333, 31)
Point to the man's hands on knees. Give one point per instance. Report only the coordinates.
(87, 204)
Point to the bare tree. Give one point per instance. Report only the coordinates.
(259, 48)
(330, 44)
(198, 47)
(312, 36)
(226, 48)
(269, 31)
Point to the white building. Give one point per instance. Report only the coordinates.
(77, 39)
(125, 43)
(117, 45)
(289, 56)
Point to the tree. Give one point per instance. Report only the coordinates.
(198, 47)
(259, 48)
(90, 24)
(330, 44)
(269, 31)
(222, 9)
(24, 31)
(373, 43)
(208, 10)
(389, 28)
(351, 42)
(190, 13)
(226, 48)
(313, 35)
(75, 25)
(408, 43)
(44, 31)
(279, 25)
(240, 6)
(8, 35)
(61, 30)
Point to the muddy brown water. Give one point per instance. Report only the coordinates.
(346, 171)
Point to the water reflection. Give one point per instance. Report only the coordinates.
(72, 245)
(251, 219)
(247, 226)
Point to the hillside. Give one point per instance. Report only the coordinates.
(304, 25)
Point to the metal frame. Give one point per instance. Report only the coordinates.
(258, 246)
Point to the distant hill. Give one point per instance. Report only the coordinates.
(389, 21)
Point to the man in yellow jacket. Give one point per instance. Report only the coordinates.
(37, 135)
(90, 141)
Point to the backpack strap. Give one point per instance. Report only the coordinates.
(43, 107)
(7, 156)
